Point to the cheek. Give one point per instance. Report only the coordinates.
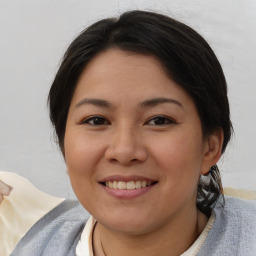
(179, 149)
(179, 160)
(81, 154)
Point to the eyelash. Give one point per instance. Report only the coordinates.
(103, 121)
(95, 118)
(164, 120)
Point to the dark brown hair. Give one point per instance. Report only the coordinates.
(186, 57)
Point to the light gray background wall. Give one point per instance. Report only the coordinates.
(33, 37)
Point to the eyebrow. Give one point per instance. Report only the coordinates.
(157, 101)
(96, 102)
(147, 103)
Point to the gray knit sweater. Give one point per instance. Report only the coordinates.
(57, 233)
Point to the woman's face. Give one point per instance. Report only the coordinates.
(134, 147)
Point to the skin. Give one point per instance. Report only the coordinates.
(162, 141)
(4, 190)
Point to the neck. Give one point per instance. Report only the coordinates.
(171, 239)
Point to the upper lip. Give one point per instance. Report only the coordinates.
(126, 178)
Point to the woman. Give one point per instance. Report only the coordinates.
(140, 109)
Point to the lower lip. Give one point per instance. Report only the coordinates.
(127, 193)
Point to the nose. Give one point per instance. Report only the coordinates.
(126, 147)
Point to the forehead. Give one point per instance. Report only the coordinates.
(122, 76)
(117, 64)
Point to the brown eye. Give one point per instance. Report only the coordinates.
(96, 120)
(160, 120)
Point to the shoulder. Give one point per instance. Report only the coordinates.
(57, 233)
(242, 207)
(237, 215)
(233, 231)
(237, 212)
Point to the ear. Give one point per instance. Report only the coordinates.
(212, 150)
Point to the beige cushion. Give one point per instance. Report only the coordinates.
(240, 193)
(21, 209)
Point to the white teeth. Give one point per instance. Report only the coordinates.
(138, 184)
(127, 185)
(130, 185)
(115, 186)
(110, 184)
(121, 185)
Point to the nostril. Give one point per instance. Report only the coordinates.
(113, 160)
(125, 153)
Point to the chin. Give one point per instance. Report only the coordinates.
(128, 228)
(129, 223)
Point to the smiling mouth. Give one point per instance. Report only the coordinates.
(122, 185)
